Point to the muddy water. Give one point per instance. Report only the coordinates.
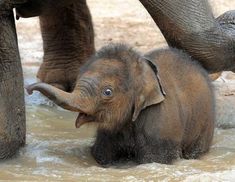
(56, 150)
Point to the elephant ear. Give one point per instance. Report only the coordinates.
(150, 91)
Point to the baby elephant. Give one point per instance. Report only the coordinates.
(152, 108)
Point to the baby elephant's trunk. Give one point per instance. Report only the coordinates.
(64, 99)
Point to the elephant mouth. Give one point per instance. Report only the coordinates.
(83, 118)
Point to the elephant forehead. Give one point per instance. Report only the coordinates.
(107, 68)
(108, 64)
(98, 80)
(107, 77)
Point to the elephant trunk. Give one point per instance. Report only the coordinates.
(191, 26)
(69, 101)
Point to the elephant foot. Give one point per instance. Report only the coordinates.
(63, 79)
(9, 148)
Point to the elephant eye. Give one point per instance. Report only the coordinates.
(107, 92)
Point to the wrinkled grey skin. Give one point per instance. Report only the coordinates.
(187, 25)
(12, 111)
(191, 26)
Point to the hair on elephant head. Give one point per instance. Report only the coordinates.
(150, 108)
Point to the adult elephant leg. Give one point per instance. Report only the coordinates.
(191, 26)
(31, 8)
(68, 40)
(12, 111)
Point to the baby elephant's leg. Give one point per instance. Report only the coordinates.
(105, 150)
(203, 138)
(161, 151)
(197, 148)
